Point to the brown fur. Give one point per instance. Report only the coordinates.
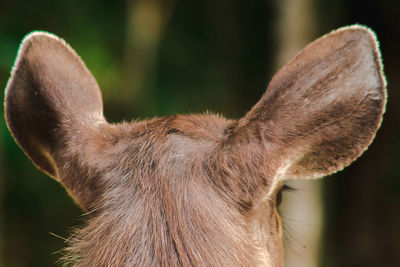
(194, 190)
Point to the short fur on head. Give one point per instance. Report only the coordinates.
(193, 190)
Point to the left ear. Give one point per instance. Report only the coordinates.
(54, 110)
(322, 109)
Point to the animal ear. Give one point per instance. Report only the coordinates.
(53, 108)
(323, 108)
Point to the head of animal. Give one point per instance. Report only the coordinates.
(193, 190)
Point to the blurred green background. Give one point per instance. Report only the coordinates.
(155, 58)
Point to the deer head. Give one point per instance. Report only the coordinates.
(193, 190)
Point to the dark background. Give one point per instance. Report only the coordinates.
(203, 55)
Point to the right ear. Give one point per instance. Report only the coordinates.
(53, 108)
(321, 110)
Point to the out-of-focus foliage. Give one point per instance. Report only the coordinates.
(208, 55)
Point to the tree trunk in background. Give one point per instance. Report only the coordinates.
(146, 22)
(301, 211)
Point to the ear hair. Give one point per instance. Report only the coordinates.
(322, 109)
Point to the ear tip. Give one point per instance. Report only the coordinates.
(35, 36)
(361, 32)
(359, 29)
(368, 38)
(356, 27)
(32, 42)
(40, 40)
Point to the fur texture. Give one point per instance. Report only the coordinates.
(193, 190)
